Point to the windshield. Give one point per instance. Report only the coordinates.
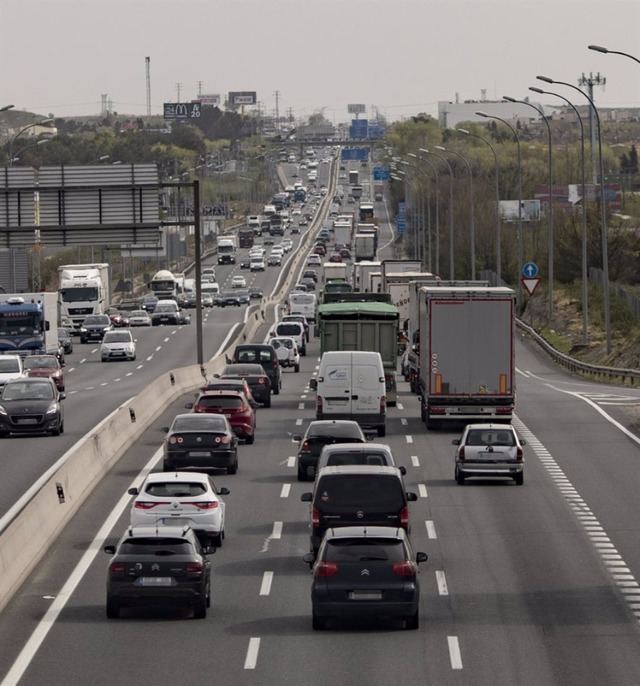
(117, 337)
(74, 295)
(27, 391)
(17, 323)
(103, 320)
(163, 285)
(8, 365)
(40, 363)
(193, 422)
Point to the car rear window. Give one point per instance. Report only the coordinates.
(335, 430)
(155, 546)
(365, 550)
(482, 437)
(254, 356)
(223, 402)
(117, 337)
(243, 370)
(172, 489)
(40, 363)
(194, 422)
(357, 457)
(289, 329)
(364, 491)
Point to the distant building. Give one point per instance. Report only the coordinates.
(450, 114)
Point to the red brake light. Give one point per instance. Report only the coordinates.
(503, 410)
(116, 569)
(262, 380)
(437, 410)
(404, 517)
(209, 505)
(305, 447)
(461, 453)
(194, 568)
(315, 517)
(404, 569)
(519, 453)
(199, 408)
(146, 505)
(383, 404)
(326, 569)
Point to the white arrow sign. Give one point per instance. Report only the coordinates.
(530, 284)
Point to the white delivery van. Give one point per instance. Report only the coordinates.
(351, 386)
(304, 304)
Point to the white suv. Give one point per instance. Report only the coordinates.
(287, 351)
(294, 330)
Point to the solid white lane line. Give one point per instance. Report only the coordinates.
(300, 405)
(415, 461)
(265, 586)
(286, 488)
(403, 421)
(454, 652)
(400, 406)
(422, 489)
(277, 530)
(252, 653)
(431, 529)
(409, 439)
(39, 634)
(298, 422)
(441, 580)
(291, 461)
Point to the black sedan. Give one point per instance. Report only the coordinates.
(158, 565)
(228, 299)
(365, 573)
(255, 376)
(245, 263)
(149, 303)
(65, 340)
(31, 405)
(256, 293)
(94, 327)
(200, 441)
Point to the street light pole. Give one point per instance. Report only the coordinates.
(451, 231)
(498, 222)
(606, 51)
(585, 274)
(520, 248)
(22, 130)
(472, 211)
(428, 262)
(550, 232)
(606, 296)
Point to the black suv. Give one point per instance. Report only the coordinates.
(357, 495)
(265, 355)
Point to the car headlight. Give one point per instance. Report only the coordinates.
(3, 411)
(52, 409)
(83, 330)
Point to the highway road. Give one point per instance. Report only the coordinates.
(524, 585)
(95, 389)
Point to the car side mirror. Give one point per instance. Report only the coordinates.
(208, 550)
(309, 559)
(223, 491)
(455, 441)
(297, 437)
(188, 406)
(411, 496)
(403, 470)
(306, 497)
(110, 549)
(523, 442)
(421, 557)
(313, 384)
(133, 491)
(227, 359)
(62, 395)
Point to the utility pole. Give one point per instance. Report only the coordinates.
(178, 89)
(199, 89)
(277, 94)
(290, 115)
(147, 62)
(591, 81)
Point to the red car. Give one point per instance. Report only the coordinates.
(236, 408)
(319, 250)
(47, 366)
(345, 253)
(335, 257)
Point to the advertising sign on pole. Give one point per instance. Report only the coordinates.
(356, 108)
(530, 210)
(181, 111)
(239, 98)
(210, 100)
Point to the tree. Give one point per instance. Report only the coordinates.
(633, 160)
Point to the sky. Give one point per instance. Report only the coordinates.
(403, 56)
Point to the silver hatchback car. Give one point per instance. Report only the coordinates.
(489, 450)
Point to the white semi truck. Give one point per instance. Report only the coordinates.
(83, 289)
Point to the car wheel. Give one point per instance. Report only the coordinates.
(250, 440)
(209, 598)
(113, 609)
(200, 608)
(267, 402)
(133, 359)
(303, 352)
(382, 430)
(233, 469)
(217, 540)
(413, 621)
(296, 368)
(459, 476)
(56, 431)
(302, 474)
(318, 623)
(519, 479)
(62, 427)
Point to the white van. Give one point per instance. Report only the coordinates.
(304, 304)
(351, 386)
(210, 288)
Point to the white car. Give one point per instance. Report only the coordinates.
(314, 261)
(293, 330)
(181, 498)
(10, 368)
(238, 282)
(139, 318)
(206, 272)
(206, 300)
(118, 344)
(257, 264)
(275, 259)
(287, 244)
(287, 351)
(296, 212)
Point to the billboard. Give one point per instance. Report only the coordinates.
(356, 109)
(210, 100)
(530, 210)
(238, 98)
(181, 111)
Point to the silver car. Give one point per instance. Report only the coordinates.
(345, 454)
(139, 318)
(118, 345)
(489, 450)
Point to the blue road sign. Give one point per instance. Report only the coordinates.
(530, 270)
(401, 218)
(381, 173)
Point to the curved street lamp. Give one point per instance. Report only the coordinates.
(585, 275)
(517, 139)
(606, 51)
(472, 229)
(436, 177)
(606, 295)
(6, 107)
(12, 140)
(550, 236)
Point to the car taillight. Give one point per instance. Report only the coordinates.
(315, 517)
(199, 408)
(404, 517)
(116, 569)
(326, 569)
(461, 453)
(305, 447)
(383, 404)
(503, 410)
(223, 439)
(437, 410)
(194, 568)
(146, 505)
(262, 380)
(318, 405)
(209, 505)
(404, 569)
(519, 453)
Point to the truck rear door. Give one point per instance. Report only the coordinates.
(365, 389)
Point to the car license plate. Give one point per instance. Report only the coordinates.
(155, 580)
(28, 420)
(365, 595)
(199, 453)
(176, 521)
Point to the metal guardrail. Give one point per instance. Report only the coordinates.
(631, 376)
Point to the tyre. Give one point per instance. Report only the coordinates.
(303, 351)
(318, 623)
(216, 540)
(62, 427)
(459, 476)
(412, 622)
(56, 431)
(296, 368)
(234, 467)
(209, 596)
(200, 608)
(250, 440)
(267, 402)
(382, 430)
(519, 479)
(302, 474)
(423, 414)
(113, 609)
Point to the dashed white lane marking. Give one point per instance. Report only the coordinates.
(422, 489)
(291, 461)
(104, 383)
(251, 660)
(611, 558)
(400, 406)
(83, 360)
(301, 406)
(174, 331)
(431, 529)
(95, 350)
(441, 581)
(166, 340)
(455, 658)
(299, 422)
(72, 392)
(409, 439)
(116, 380)
(403, 421)
(415, 461)
(277, 530)
(90, 388)
(317, 366)
(158, 348)
(265, 586)
(527, 375)
(149, 358)
(128, 373)
(286, 488)
(139, 366)
(303, 396)
(70, 370)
